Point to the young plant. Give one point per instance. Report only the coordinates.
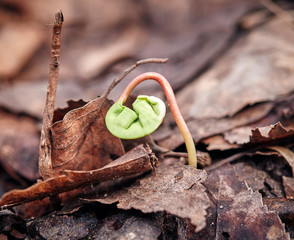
(147, 115)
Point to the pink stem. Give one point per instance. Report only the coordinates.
(192, 159)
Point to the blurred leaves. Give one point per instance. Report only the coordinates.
(231, 65)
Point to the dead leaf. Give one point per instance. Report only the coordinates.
(283, 206)
(204, 128)
(11, 226)
(237, 205)
(84, 222)
(237, 81)
(253, 177)
(218, 142)
(95, 60)
(270, 133)
(174, 189)
(125, 225)
(63, 227)
(29, 97)
(282, 110)
(81, 140)
(19, 146)
(288, 184)
(287, 154)
(135, 161)
(242, 77)
(18, 42)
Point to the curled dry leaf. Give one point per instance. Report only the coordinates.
(269, 133)
(138, 160)
(287, 154)
(177, 190)
(81, 141)
(240, 211)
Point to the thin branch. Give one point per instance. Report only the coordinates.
(203, 158)
(130, 69)
(279, 12)
(225, 161)
(45, 164)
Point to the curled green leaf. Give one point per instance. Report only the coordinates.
(147, 115)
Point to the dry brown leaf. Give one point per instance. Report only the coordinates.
(208, 127)
(29, 97)
(218, 142)
(242, 77)
(18, 42)
(286, 153)
(238, 80)
(244, 135)
(269, 133)
(81, 140)
(138, 160)
(237, 137)
(288, 184)
(240, 211)
(253, 177)
(85, 223)
(283, 206)
(19, 146)
(177, 190)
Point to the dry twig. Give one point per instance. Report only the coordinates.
(45, 165)
(279, 12)
(127, 71)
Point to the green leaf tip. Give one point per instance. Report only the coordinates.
(146, 117)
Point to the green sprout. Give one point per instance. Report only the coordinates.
(147, 114)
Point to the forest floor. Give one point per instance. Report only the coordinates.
(230, 64)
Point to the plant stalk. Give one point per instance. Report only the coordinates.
(192, 158)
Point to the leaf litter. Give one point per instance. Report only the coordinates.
(219, 217)
(240, 210)
(175, 189)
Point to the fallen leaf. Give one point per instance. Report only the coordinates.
(84, 222)
(238, 205)
(239, 79)
(253, 177)
(270, 133)
(18, 42)
(177, 190)
(236, 81)
(29, 98)
(125, 225)
(94, 60)
(218, 142)
(282, 110)
(19, 146)
(288, 184)
(81, 141)
(63, 227)
(203, 128)
(239, 135)
(287, 154)
(11, 225)
(283, 206)
(138, 160)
